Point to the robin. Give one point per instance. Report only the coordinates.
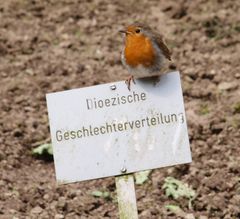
(144, 53)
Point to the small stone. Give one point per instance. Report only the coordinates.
(46, 197)
(62, 203)
(237, 75)
(145, 214)
(36, 210)
(212, 72)
(98, 54)
(59, 216)
(12, 211)
(53, 205)
(203, 217)
(189, 216)
(227, 86)
(29, 72)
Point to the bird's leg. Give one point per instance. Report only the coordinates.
(128, 82)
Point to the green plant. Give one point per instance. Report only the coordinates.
(142, 177)
(78, 34)
(101, 194)
(43, 149)
(204, 109)
(237, 28)
(236, 108)
(176, 189)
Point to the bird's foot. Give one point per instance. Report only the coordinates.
(128, 82)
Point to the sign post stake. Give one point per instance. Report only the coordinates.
(126, 197)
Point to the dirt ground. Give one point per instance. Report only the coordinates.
(54, 45)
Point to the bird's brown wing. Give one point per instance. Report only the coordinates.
(157, 38)
(162, 46)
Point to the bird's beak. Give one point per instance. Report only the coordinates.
(124, 31)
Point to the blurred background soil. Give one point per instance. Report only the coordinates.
(54, 45)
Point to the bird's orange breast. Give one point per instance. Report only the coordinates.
(139, 51)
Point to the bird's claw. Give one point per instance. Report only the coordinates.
(128, 82)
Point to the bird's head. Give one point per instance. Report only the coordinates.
(135, 30)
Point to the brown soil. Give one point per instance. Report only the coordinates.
(54, 45)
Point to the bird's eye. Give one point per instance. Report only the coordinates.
(138, 30)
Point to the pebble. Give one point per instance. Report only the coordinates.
(227, 86)
(203, 217)
(189, 216)
(36, 210)
(59, 216)
(237, 75)
(62, 202)
(46, 197)
(2, 183)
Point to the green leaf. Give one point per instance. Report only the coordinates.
(142, 177)
(236, 108)
(179, 212)
(174, 209)
(204, 109)
(101, 194)
(43, 149)
(176, 189)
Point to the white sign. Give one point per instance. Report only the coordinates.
(100, 131)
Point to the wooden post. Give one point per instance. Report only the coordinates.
(126, 197)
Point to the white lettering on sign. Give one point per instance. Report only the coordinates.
(97, 131)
